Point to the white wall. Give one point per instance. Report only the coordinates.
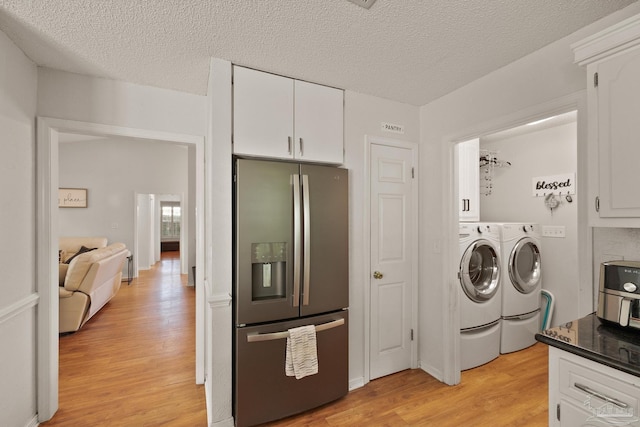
(507, 97)
(218, 243)
(613, 244)
(363, 117)
(113, 170)
(78, 97)
(551, 151)
(143, 251)
(18, 297)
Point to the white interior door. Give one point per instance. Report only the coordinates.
(392, 270)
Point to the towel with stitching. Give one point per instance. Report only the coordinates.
(302, 354)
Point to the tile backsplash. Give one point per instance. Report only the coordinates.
(610, 244)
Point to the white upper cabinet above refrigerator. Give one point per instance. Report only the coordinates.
(282, 118)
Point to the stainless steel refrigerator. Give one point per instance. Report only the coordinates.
(291, 269)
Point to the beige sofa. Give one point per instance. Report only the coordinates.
(90, 279)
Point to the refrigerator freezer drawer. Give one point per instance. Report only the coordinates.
(262, 390)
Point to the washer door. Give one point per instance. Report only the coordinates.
(524, 265)
(480, 271)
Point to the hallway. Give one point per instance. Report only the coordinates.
(133, 363)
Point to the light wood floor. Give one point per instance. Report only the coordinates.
(133, 365)
(509, 391)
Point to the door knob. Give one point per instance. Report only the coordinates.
(377, 275)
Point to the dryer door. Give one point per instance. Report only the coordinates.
(524, 265)
(480, 271)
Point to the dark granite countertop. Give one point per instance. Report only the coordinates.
(592, 339)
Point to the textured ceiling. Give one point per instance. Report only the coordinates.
(412, 51)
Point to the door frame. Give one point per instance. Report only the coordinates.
(450, 318)
(155, 227)
(47, 232)
(366, 224)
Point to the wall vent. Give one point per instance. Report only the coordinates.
(363, 3)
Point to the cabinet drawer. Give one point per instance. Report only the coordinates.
(601, 394)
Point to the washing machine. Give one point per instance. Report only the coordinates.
(521, 285)
(479, 294)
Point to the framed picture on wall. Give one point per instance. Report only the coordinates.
(72, 197)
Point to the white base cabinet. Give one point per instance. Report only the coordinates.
(586, 393)
(282, 118)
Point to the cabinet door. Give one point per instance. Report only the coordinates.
(262, 114)
(589, 393)
(469, 180)
(574, 416)
(318, 123)
(618, 110)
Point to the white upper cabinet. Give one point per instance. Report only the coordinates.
(278, 117)
(262, 114)
(468, 154)
(318, 121)
(612, 58)
(618, 116)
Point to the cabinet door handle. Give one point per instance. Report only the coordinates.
(597, 204)
(289, 142)
(600, 395)
(301, 148)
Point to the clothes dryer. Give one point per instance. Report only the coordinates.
(479, 294)
(521, 285)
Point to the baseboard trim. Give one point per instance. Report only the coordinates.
(224, 423)
(18, 307)
(435, 373)
(33, 422)
(356, 383)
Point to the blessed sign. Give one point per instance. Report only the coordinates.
(554, 184)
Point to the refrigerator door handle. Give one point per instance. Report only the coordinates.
(285, 334)
(307, 239)
(297, 246)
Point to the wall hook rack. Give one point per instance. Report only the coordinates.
(488, 161)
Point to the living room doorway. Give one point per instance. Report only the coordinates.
(163, 222)
(48, 140)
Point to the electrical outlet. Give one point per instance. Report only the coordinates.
(553, 231)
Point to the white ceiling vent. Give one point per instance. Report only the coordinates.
(363, 3)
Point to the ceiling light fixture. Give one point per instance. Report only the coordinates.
(363, 3)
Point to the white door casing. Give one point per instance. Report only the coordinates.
(47, 243)
(393, 258)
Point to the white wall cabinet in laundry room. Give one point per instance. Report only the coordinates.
(586, 393)
(612, 58)
(282, 118)
(468, 154)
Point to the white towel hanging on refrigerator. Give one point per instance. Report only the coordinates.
(302, 354)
